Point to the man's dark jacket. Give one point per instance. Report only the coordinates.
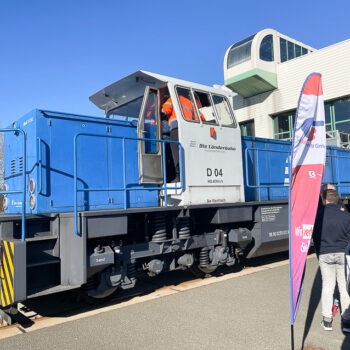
(332, 230)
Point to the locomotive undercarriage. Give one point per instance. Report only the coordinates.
(172, 241)
(117, 246)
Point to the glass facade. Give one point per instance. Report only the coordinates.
(290, 50)
(247, 128)
(337, 117)
(283, 49)
(266, 48)
(283, 125)
(240, 52)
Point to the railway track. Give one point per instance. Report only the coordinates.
(63, 307)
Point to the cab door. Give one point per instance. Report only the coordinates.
(150, 151)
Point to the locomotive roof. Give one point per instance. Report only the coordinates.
(133, 86)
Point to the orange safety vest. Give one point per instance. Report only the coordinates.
(188, 109)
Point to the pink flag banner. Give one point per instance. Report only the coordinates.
(307, 166)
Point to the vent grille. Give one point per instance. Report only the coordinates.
(16, 167)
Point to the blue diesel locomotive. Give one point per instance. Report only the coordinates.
(92, 202)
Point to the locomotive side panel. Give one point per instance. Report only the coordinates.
(50, 138)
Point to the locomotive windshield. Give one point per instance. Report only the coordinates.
(128, 111)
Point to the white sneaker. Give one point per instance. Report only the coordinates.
(327, 325)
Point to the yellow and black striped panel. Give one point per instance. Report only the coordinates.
(7, 273)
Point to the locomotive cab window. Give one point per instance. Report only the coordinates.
(150, 123)
(186, 103)
(128, 111)
(224, 111)
(205, 108)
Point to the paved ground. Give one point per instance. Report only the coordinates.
(246, 312)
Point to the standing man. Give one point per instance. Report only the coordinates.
(331, 236)
(190, 113)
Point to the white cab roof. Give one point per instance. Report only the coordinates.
(133, 86)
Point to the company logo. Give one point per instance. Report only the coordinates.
(312, 174)
(308, 128)
(307, 231)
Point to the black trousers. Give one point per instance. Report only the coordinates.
(174, 136)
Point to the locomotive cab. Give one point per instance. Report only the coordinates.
(210, 143)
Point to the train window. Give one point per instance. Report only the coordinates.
(223, 111)
(283, 49)
(130, 110)
(266, 48)
(205, 107)
(297, 50)
(150, 123)
(291, 53)
(240, 52)
(188, 109)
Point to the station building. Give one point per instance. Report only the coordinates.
(267, 71)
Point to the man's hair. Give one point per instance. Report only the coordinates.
(327, 186)
(330, 196)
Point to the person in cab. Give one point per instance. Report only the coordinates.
(190, 113)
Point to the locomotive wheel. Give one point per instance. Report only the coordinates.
(104, 295)
(202, 272)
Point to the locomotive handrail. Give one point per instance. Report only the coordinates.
(40, 161)
(336, 182)
(18, 131)
(259, 186)
(124, 189)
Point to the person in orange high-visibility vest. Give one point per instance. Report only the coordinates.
(190, 113)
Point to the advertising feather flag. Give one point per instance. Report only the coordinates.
(307, 166)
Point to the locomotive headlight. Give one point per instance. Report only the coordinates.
(32, 202)
(31, 186)
(4, 203)
(6, 188)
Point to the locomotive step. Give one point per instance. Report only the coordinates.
(41, 238)
(47, 261)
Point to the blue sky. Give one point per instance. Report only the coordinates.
(55, 54)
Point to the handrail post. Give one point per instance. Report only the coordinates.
(164, 176)
(124, 174)
(258, 177)
(338, 177)
(24, 186)
(181, 166)
(76, 187)
(40, 185)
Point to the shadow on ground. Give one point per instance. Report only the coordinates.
(315, 297)
(70, 303)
